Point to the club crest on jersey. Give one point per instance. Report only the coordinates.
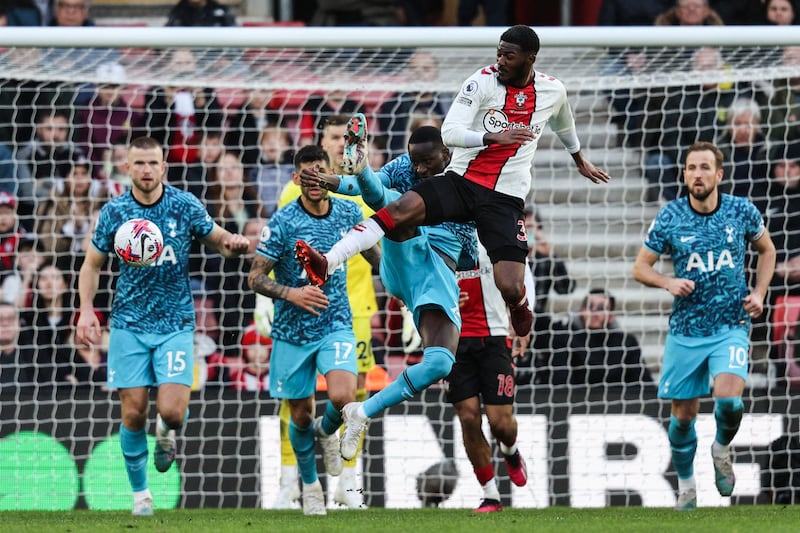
(520, 99)
(729, 230)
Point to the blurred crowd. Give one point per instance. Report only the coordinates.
(63, 150)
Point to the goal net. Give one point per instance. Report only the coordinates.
(592, 437)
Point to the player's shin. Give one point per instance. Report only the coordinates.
(361, 237)
(303, 445)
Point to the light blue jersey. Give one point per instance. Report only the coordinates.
(155, 299)
(288, 225)
(711, 251)
(457, 240)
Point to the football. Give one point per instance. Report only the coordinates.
(138, 242)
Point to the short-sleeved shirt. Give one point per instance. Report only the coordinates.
(709, 249)
(288, 225)
(157, 298)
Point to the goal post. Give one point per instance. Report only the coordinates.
(587, 444)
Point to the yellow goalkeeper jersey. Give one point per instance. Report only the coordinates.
(360, 289)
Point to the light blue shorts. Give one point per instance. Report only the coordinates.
(145, 359)
(413, 272)
(690, 362)
(293, 367)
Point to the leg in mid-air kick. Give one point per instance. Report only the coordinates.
(398, 221)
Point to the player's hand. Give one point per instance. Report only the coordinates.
(680, 286)
(753, 304)
(313, 177)
(463, 298)
(519, 345)
(512, 136)
(238, 244)
(595, 174)
(87, 331)
(309, 297)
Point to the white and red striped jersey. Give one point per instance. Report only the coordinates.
(485, 313)
(484, 105)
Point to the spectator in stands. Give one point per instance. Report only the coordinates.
(354, 13)
(51, 315)
(319, 108)
(781, 101)
(229, 201)
(588, 348)
(9, 232)
(251, 370)
(679, 117)
(41, 162)
(394, 114)
(108, 118)
(275, 167)
(64, 219)
(237, 301)
(419, 12)
(246, 125)
(780, 12)
(377, 152)
(689, 13)
(745, 152)
(116, 179)
(21, 13)
(631, 12)
(16, 351)
(739, 12)
(8, 169)
(495, 12)
(209, 364)
(783, 218)
(549, 271)
(177, 116)
(17, 286)
(70, 13)
(203, 172)
(200, 13)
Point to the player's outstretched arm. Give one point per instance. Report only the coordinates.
(87, 330)
(588, 170)
(309, 297)
(754, 302)
(644, 273)
(226, 243)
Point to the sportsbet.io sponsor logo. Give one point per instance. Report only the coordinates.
(495, 121)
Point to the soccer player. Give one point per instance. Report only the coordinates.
(707, 234)
(152, 314)
(312, 328)
(484, 371)
(361, 293)
(494, 124)
(417, 267)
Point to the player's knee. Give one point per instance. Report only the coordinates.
(470, 419)
(340, 398)
(729, 409)
(439, 363)
(502, 425)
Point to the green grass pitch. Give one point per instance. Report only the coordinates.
(738, 519)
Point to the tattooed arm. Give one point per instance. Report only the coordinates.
(308, 297)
